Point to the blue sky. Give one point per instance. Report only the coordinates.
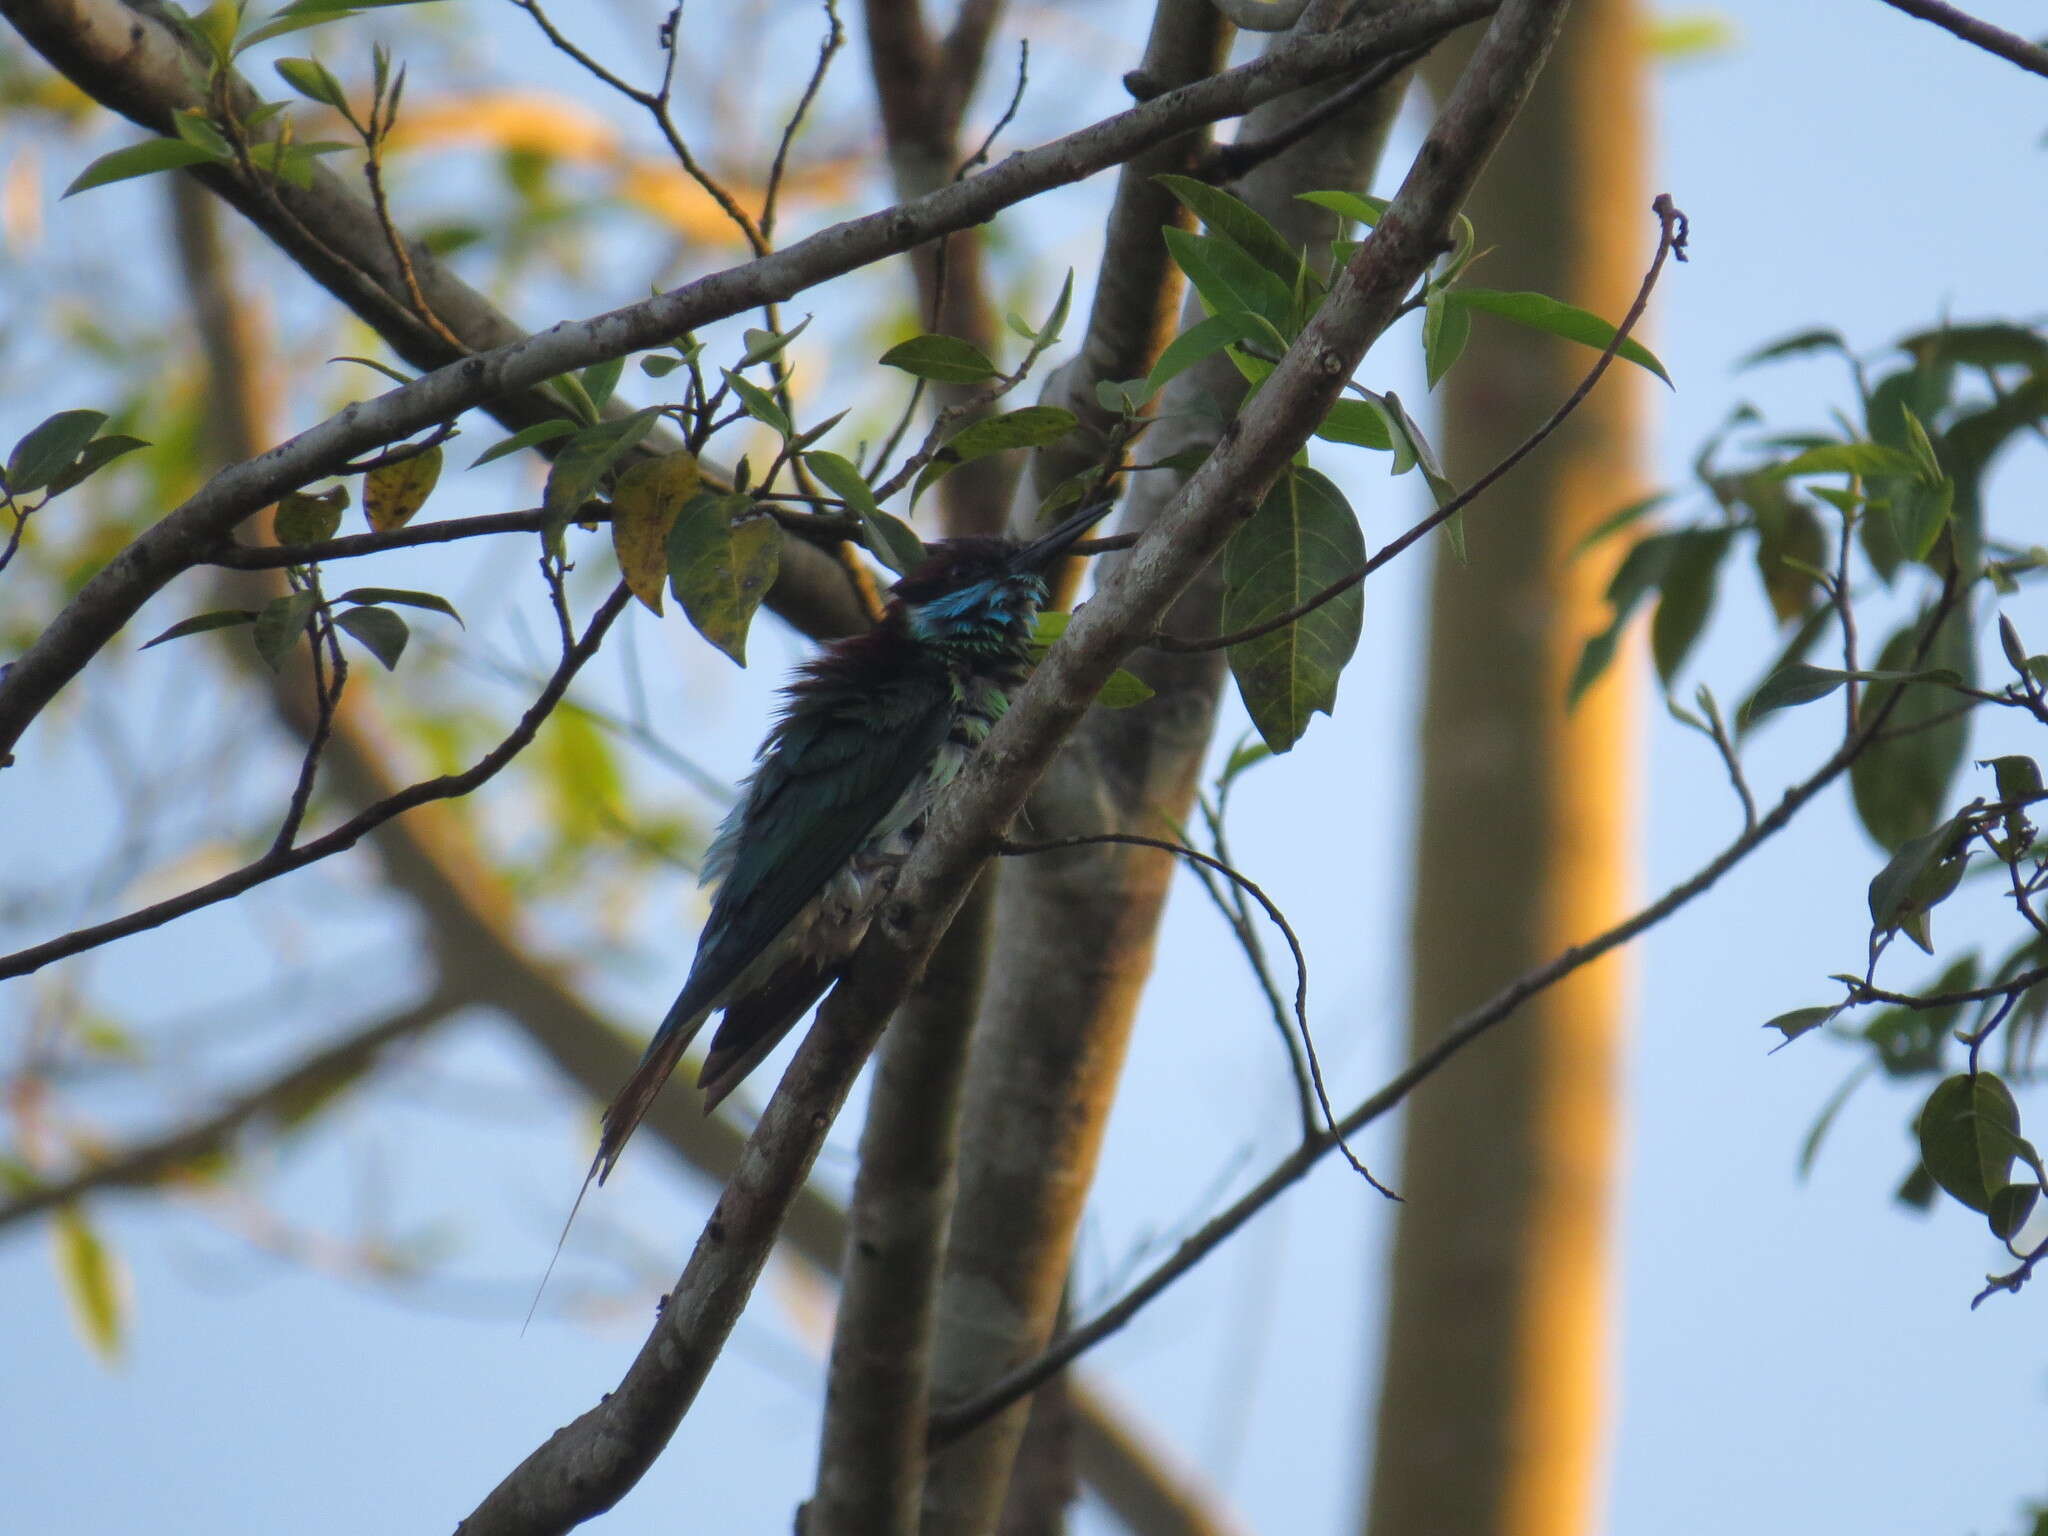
(1792, 1356)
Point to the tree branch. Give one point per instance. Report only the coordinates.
(192, 532)
(1076, 931)
(281, 861)
(1671, 242)
(588, 1465)
(871, 1454)
(309, 1080)
(952, 1422)
(2029, 56)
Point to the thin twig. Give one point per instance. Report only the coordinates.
(1232, 162)
(400, 453)
(656, 104)
(153, 1161)
(326, 696)
(1238, 915)
(345, 836)
(1279, 920)
(980, 155)
(1671, 242)
(835, 38)
(383, 115)
(958, 1420)
(2007, 45)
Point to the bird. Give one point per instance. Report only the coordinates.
(871, 729)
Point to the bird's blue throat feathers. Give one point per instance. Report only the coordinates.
(980, 616)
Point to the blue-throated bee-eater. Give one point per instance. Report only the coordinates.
(872, 728)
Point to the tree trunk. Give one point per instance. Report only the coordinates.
(1491, 1411)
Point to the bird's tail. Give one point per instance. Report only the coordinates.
(631, 1104)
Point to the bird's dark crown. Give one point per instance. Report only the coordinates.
(973, 593)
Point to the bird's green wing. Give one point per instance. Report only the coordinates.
(839, 763)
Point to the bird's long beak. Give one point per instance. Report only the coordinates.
(1048, 547)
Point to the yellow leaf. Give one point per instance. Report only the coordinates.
(644, 507)
(528, 120)
(392, 493)
(95, 1283)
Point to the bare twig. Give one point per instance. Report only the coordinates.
(192, 533)
(962, 1417)
(349, 833)
(2029, 56)
(1230, 162)
(656, 103)
(1279, 920)
(1670, 242)
(154, 1161)
(591, 1463)
(326, 696)
(980, 156)
(1237, 913)
(835, 39)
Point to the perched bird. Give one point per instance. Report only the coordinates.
(872, 729)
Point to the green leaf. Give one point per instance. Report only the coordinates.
(1031, 427)
(144, 159)
(646, 501)
(1791, 685)
(1967, 1130)
(579, 470)
(1362, 423)
(890, 540)
(1540, 312)
(1348, 205)
(942, 359)
(382, 633)
(314, 81)
(392, 493)
(2019, 777)
(1795, 345)
(1810, 1148)
(1920, 512)
(763, 344)
(1687, 597)
(1056, 317)
(1303, 538)
(95, 456)
(386, 369)
(95, 1285)
(1123, 689)
(49, 448)
(760, 405)
(1981, 346)
(1227, 278)
(2009, 1209)
(1206, 337)
(1900, 782)
(526, 437)
(600, 379)
(1236, 222)
(1796, 1023)
(1791, 545)
(199, 624)
(304, 517)
(402, 596)
(722, 560)
(1445, 329)
(1865, 459)
(1922, 873)
(279, 623)
(1595, 657)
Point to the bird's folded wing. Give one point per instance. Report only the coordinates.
(837, 771)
